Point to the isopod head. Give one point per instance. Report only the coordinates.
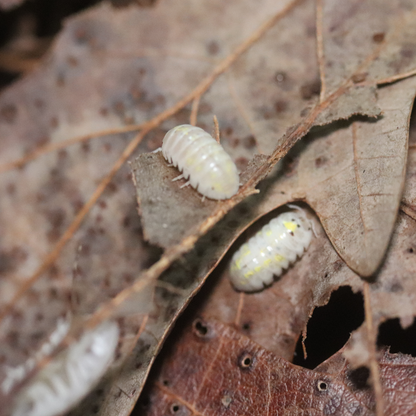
(201, 159)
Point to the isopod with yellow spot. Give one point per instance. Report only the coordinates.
(199, 157)
(269, 252)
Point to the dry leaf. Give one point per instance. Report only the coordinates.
(212, 369)
(112, 67)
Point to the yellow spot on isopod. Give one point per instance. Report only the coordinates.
(248, 274)
(279, 258)
(267, 262)
(257, 269)
(291, 226)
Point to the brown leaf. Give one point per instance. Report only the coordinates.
(212, 369)
(365, 182)
(115, 67)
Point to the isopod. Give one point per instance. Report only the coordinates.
(70, 376)
(270, 251)
(200, 158)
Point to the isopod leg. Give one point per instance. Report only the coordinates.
(159, 149)
(177, 178)
(186, 184)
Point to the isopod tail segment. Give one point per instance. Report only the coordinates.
(272, 250)
(203, 161)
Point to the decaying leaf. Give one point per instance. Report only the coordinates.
(212, 369)
(111, 68)
(373, 153)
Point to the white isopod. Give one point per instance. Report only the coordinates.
(201, 159)
(71, 375)
(271, 251)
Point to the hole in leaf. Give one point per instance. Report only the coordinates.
(322, 385)
(245, 361)
(200, 328)
(359, 378)
(174, 408)
(330, 326)
(391, 334)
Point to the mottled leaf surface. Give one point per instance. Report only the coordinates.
(365, 183)
(113, 67)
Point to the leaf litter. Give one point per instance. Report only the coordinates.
(90, 43)
(212, 369)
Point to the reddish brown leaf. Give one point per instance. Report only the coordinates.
(212, 369)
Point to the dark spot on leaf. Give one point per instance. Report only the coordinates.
(39, 104)
(72, 61)
(54, 122)
(290, 164)
(213, 47)
(249, 142)
(62, 154)
(228, 131)
(280, 106)
(8, 113)
(241, 163)
(111, 188)
(11, 188)
(396, 287)
(103, 111)
(246, 326)
(165, 382)
(410, 250)
(60, 80)
(307, 91)
(320, 161)
(378, 37)
(174, 408)
(407, 51)
(85, 147)
(56, 217)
